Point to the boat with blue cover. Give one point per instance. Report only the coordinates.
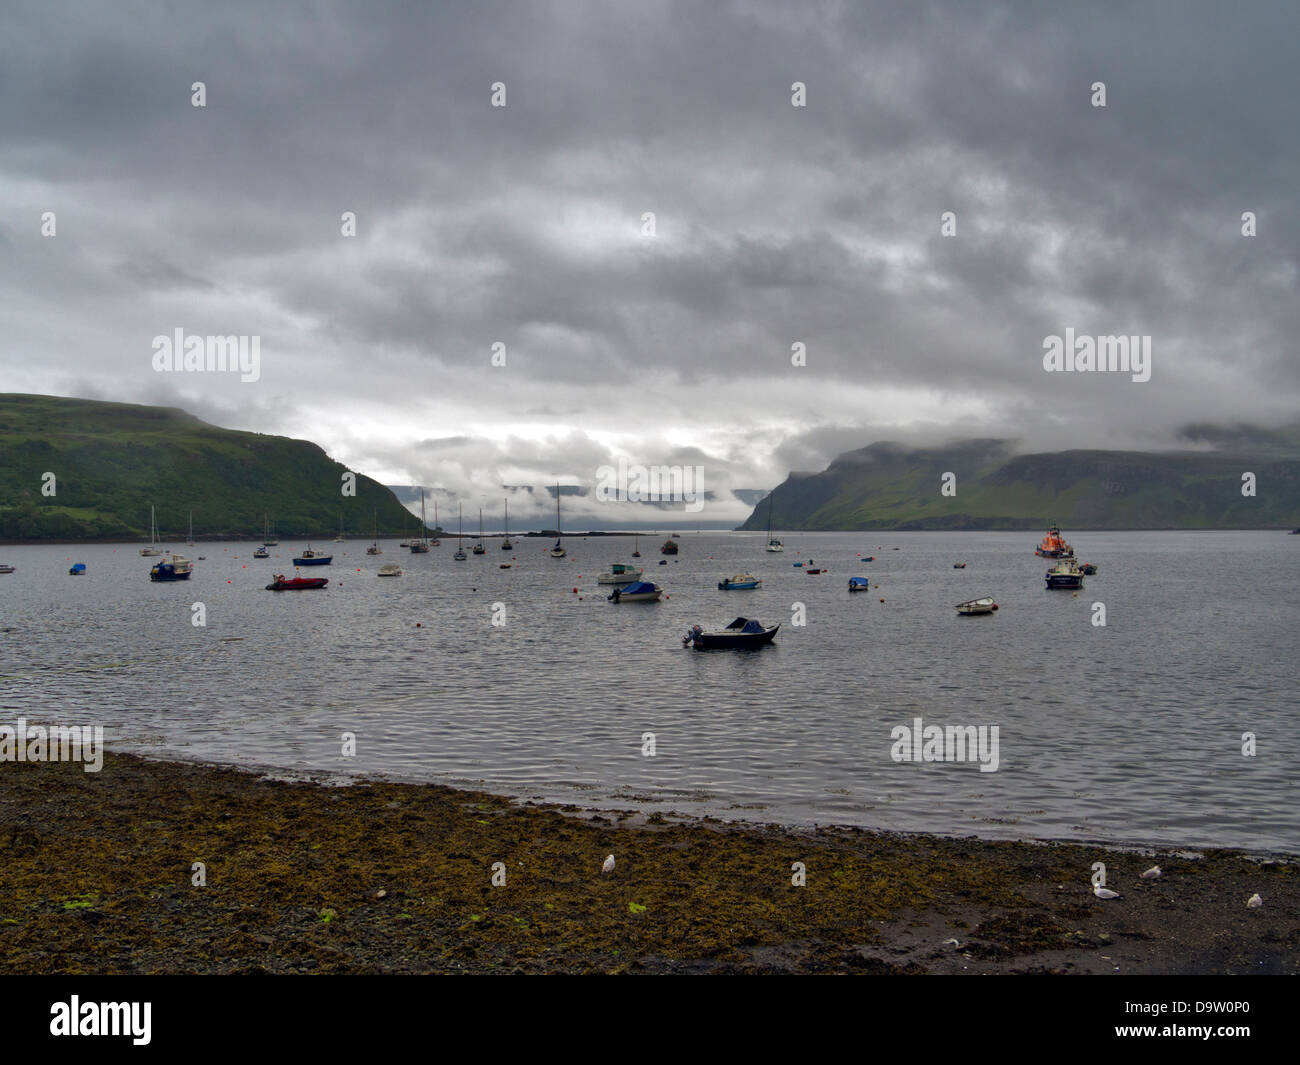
(743, 632)
(78, 568)
(859, 584)
(637, 592)
(740, 582)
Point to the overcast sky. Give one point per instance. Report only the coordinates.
(774, 224)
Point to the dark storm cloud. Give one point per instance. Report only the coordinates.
(774, 224)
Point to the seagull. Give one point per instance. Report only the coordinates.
(1105, 892)
(1152, 873)
(608, 867)
(1255, 902)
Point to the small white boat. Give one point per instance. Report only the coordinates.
(620, 574)
(391, 569)
(983, 605)
(261, 552)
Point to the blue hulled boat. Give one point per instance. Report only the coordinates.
(175, 569)
(310, 558)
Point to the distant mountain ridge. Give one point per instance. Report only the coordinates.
(111, 461)
(892, 486)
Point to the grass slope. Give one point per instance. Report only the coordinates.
(888, 486)
(112, 460)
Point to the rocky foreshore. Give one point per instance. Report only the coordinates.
(99, 874)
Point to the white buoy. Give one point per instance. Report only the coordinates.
(608, 867)
(1154, 872)
(1255, 902)
(1105, 892)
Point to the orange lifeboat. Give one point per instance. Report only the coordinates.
(1053, 546)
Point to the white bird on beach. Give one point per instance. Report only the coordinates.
(1255, 902)
(1152, 873)
(608, 867)
(1105, 892)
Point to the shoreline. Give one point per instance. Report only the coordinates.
(396, 877)
(255, 538)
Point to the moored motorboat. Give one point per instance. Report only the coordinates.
(813, 572)
(740, 582)
(959, 565)
(620, 574)
(983, 605)
(1054, 545)
(390, 569)
(77, 569)
(173, 569)
(311, 558)
(281, 583)
(638, 592)
(859, 584)
(668, 548)
(1088, 569)
(1065, 574)
(261, 552)
(743, 632)
(6, 568)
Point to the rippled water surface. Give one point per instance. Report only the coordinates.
(1130, 732)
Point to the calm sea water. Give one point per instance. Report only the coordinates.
(1130, 732)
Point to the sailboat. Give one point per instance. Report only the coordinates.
(506, 545)
(557, 551)
(636, 544)
(340, 539)
(435, 541)
(460, 555)
(479, 549)
(189, 541)
(268, 534)
(420, 546)
(773, 544)
(374, 548)
(153, 548)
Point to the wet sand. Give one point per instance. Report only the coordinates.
(96, 877)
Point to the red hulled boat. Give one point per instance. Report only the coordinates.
(294, 584)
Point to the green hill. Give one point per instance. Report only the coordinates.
(112, 460)
(889, 486)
